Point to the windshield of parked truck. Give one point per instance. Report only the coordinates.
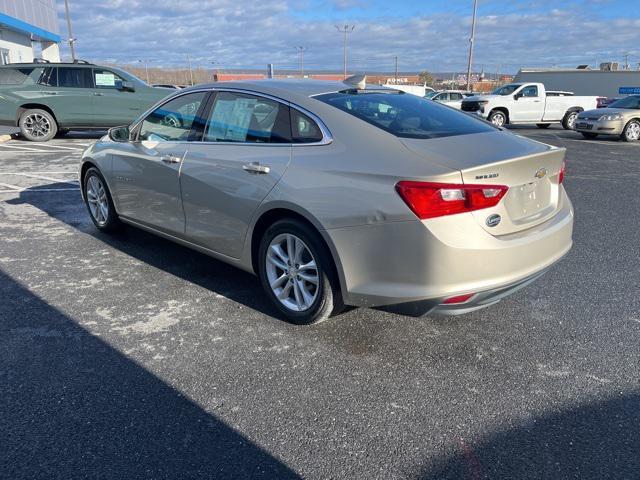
(507, 89)
(632, 102)
(430, 95)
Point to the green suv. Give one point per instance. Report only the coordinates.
(45, 99)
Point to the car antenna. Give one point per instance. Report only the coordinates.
(358, 81)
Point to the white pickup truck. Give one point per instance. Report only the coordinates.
(529, 103)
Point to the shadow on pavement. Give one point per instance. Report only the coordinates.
(74, 407)
(596, 441)
(168, 256)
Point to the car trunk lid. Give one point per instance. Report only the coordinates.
(530, 170)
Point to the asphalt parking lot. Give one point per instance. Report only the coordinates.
(131, 357)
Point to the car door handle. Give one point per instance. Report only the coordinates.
(536, 101)
(171, 159)
(255, 167)
(50, 93)
(98, 94)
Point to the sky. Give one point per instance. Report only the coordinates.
(428, 35)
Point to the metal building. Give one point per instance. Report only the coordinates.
(603, 82)
(28, 30)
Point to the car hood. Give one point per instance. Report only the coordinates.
(475, 98)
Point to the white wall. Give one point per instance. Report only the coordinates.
(18, 44)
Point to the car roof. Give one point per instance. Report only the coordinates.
(288, 87)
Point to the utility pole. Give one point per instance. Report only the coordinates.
(301, 50)
(471, 40)
(146, 69)
(626, 60)
(396, 71)
(345, 30)
(71, 39)
(190, 69)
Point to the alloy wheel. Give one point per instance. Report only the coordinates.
(633, 132)
(292, 272)
(37, 125)
(571, 121)
(97, 200)
(498, 119)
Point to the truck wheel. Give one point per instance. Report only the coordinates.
(498, 118)
(631, 132)
(569, 120)
(589, 135)
(543, 125)
(37, 125)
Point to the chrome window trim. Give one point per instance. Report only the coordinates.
(327, 137)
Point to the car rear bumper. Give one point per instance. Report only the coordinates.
(425, 263)
(614, 127)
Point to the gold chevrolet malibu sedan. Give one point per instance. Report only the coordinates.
(621, 118)
(338, 194)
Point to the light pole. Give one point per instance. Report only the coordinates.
(396, 71)
(301, 50)
(471, 40)
(146, 69)
(190, 69)
(71, 39)
(345, 30)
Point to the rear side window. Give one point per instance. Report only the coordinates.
(172, 121)
(244, 118)
(303, 129)
(49, 77)
(14, 76)
(74, 77)
(405, 115)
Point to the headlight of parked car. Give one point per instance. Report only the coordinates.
(610, 118)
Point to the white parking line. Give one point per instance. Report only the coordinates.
(7, 148)
(42, 177)
(69, 172)
(36, 189)
(8, 185)
(56, 146)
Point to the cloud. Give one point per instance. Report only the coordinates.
(240, 34)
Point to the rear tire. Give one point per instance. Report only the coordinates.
(37, 125)
(543, 125)
(589, 135)
(99, 202)
(631, 132)
(284, 274)
(569, 120)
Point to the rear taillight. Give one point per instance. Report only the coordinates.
(430, 200)
(561, 173)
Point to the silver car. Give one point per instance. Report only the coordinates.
(621, 118)
(338, 195)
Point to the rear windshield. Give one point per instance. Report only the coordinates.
(631, 102)
(14, 76)
(405, 115)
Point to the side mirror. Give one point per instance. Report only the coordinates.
(126, 86)
(517, 96)
(119, 134)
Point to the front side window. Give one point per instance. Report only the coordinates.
(530, 91)
(106, 79)
(172, 121)
(507, 89)
(244, 118)
(405, 115)
(631, 102)
(74, 77)
(455, 96)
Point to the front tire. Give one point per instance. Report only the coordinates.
(498, 118)
(37, 125)
(569, 120)
(99, 202)
(297, 273)
(631, 132)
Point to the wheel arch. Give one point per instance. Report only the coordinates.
(29, 106)
(281, 211)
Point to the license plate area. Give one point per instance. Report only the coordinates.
(529, 202)
(584, 126)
